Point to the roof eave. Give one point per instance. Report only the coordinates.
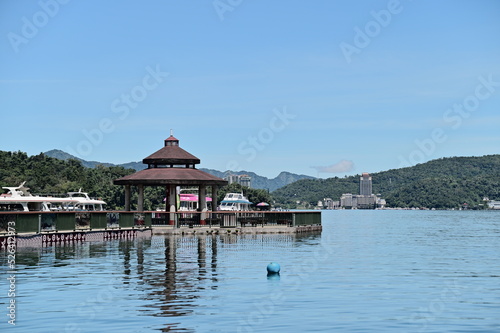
(162, 182)
(166, 161)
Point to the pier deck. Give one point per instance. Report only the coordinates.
(54, 227)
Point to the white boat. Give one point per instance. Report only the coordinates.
(20, 199)
(494, 204)
(84, 202)
(235, 202)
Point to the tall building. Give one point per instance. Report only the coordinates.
(365, 199)
(365, 184)
(243, 180)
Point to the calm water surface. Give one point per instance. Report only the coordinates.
(368, 271)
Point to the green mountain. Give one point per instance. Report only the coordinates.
(63, 173)
(47, 175)
(441, 183)
(258, 182)
(61, 155)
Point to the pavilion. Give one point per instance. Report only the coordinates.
(171, 166)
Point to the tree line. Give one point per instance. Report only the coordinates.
(46, 175)
(51, 176)
(442, 184)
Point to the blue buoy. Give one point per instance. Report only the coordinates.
(273, 268)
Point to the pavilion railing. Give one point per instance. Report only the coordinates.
(230, 219)
(47, 222)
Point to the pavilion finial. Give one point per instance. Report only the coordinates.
(171, 140)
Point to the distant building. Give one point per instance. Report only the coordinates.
(380, 202)
(246, 180)
(243, 180)
(366, 199)
(329, 203)
(365, 184)
(349, 201)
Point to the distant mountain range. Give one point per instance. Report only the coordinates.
(258, 182)
(61, 155)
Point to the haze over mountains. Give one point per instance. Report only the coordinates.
(258, 182)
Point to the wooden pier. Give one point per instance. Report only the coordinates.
(52, 228)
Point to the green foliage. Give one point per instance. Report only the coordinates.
(47, 175)
(441, 183)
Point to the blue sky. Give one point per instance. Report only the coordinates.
(323, 88)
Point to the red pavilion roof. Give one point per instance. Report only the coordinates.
(171, 155)
(170, 176)
(170, 165)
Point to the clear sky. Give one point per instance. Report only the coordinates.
(324, 88)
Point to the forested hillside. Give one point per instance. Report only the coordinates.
(441, 183)
(47, 175)
(258, 182)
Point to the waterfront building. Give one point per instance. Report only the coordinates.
(328, 203)
(365, 184)
(349, 201)
(366, 199)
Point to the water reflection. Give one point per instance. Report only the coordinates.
(190, 266)
(161, 276)
(273, 276)
(384, 271)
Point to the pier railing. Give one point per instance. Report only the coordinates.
(46, 222)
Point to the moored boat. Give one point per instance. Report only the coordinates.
(18, 198)
(235, 202)
(84, 202)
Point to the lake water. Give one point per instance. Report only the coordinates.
(368, 271)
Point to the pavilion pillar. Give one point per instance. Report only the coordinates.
(171, 207)
(127, 198)
(202, 203)
(215, 189)
(140, 200)
(202, 198)
(167, 194)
